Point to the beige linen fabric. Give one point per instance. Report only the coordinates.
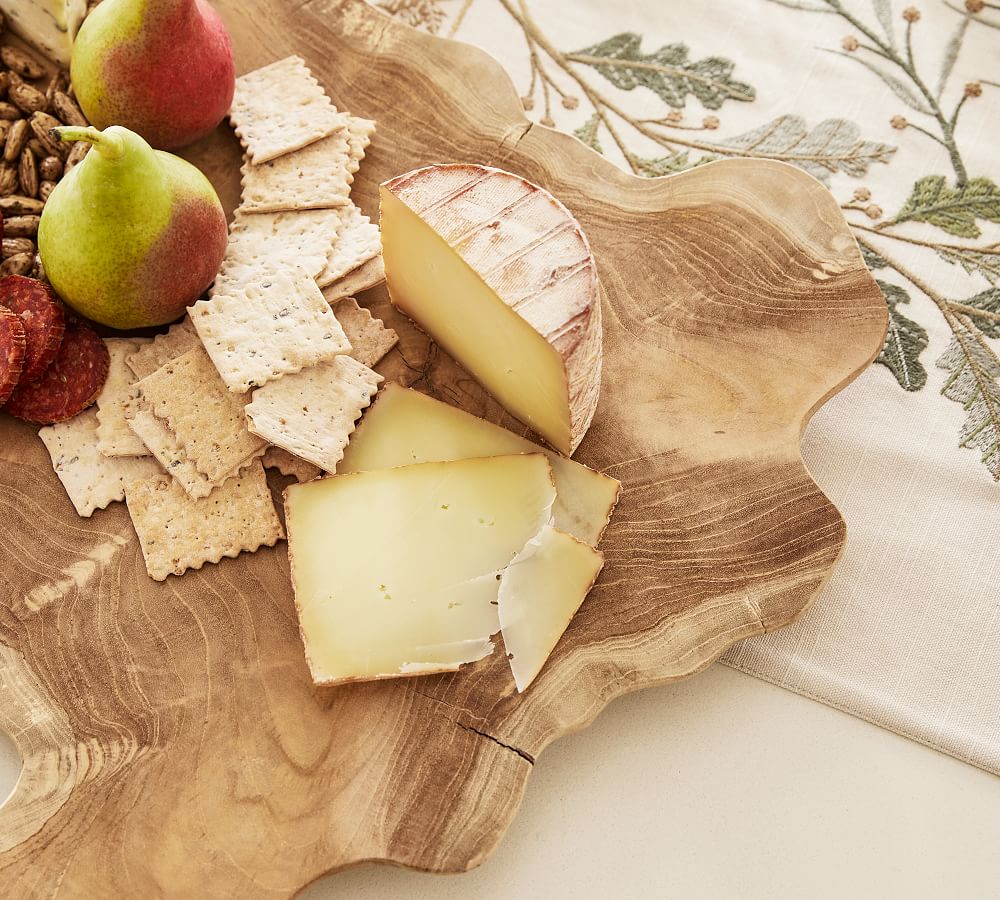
(907, 633)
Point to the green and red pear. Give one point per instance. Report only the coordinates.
(131, 236)
(162, 68)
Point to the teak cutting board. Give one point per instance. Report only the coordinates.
(172, 741)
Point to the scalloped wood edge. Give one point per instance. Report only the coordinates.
(736, 302)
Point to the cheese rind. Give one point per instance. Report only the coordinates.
(499, 273)
(50, 25)
(540, 593)
(405, 427)
(396, 571)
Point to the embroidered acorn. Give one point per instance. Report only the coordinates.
(898, 122)
(850, 43)
(873, 211)
(570, 102)
(528, 103)
(675, 115)
(710, 122)
(862, 193)
(973, 89)
(911, 14)
(974, 6)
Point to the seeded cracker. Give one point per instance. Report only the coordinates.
(92, 480)
(161, 442)
(315, 177)
(273, 240)
(370, 339)
(207, 420)
(165, 347)
(357, 242)
(311, 414)
(286, 464)
(275, 325)
(281, 108)
(177, 532)
(362, 278)
(114, 437)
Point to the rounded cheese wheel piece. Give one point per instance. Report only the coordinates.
(499, 273)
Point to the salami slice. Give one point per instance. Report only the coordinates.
(11, 353)
(43, 318)
(70, 384)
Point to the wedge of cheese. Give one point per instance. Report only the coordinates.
(540, 593)
(396, 572)
(50, 25)
(405, 427)
(498, 272)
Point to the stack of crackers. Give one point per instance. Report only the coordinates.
(272, 370)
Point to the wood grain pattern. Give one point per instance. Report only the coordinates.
(172, 740)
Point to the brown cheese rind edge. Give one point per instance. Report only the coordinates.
(583, 357)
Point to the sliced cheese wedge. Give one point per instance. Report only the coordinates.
(50, 25)
(396, 572)
(498, 272)
(540, 593)
(405, 427)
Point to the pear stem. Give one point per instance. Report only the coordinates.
(110, 146)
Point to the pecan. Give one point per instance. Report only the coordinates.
(27, 173)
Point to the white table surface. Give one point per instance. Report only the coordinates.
(723, 786)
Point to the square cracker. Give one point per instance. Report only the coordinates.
(114, 437)
(287, 464)
(207, 419)
(160, 441)
(358, 241)
(274, 325)
(177, 532)
(370, 339)
(180, 338)
(361, 279)
(92, 480)
(311, 414)
(359, 136)
(274, 240)
(315, 177)
(280, 108)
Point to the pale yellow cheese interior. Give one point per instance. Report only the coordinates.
(50, 25)
(540, 593)
(396, 571)
(433, 285)
(405, 427)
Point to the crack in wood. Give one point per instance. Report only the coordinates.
(522, 753)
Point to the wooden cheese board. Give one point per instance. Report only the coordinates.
(172, 741)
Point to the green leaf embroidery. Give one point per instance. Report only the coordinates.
(832, 146)
(982, 262)
(667, 72)
(667, 165)
(900, 88)
(904, 341)
(872, 259)
(974, 371)
(952, 209)
(883, 12)
(951, 54)
(587, 132)
(988, 301)
(804, 6)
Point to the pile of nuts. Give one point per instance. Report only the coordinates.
(32, 161)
